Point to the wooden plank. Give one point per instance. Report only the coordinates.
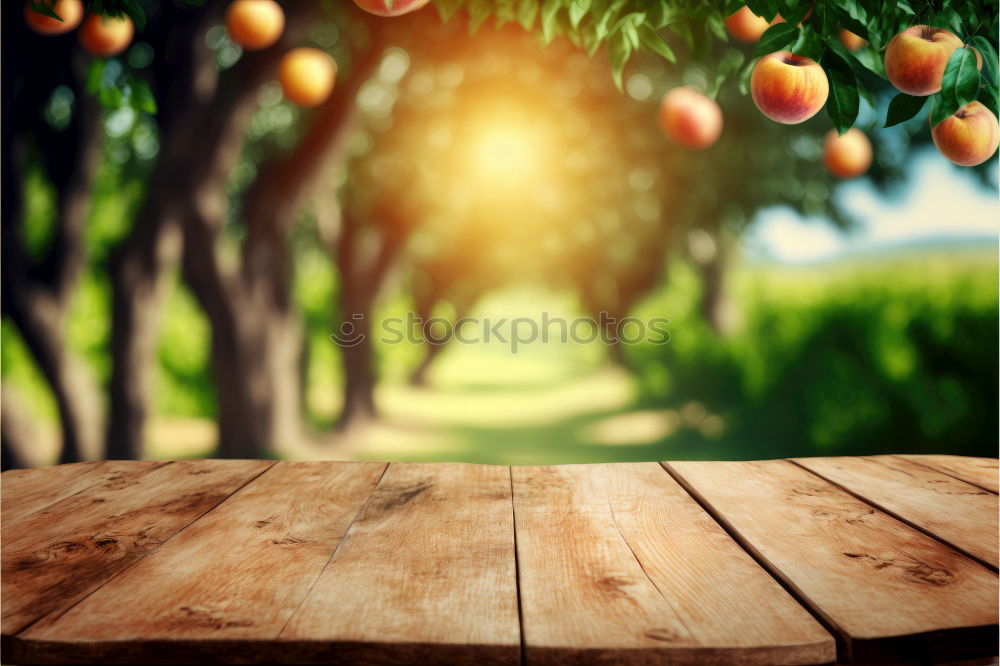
(25, 491)
(889, 591)
(203, 589)
(425, 573)
(54, 557)
(958, 513)
(982, 472)
(619, 565)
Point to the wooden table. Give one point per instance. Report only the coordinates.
(806, 561)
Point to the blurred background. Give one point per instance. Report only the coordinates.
(171, 280)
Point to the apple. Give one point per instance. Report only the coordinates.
(390, 7)
(968, 137)
(915, 59)
(255, 24)
(850, 40)
(788, 88)
(745, 26)
(848, 155)
(690, 118)
(70, 11)
(307, 76)
(106, 36)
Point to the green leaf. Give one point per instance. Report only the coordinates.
(479, 11)
(990, 99)
(766, 8)
(526, 12)
(447, 8)
(989, 55)
(959, 85)
(942, 106)
(731, 62)
(619, 50)
(137, 14)
(775, 38)
(110, 96)
(550, 12)
(45, 9)
(905, 6)
(603, 27)
(949, 18)
(745, 76)
(852, 22)
(628, 26)
(577, 10)
(718, 28)
(902, 108)
(142, 96)
(652, 41)
(95, 74)
(843, 104)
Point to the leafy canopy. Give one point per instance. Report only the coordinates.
(810, 29)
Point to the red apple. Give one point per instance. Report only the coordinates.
(915, 59)
(788, 88)
(968, 137)
(390, 7)
(690, 118)
(848, 155)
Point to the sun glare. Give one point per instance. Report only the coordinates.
(508, 154)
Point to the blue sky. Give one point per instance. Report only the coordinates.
(939, 202)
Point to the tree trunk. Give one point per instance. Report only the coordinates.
(37, 293)
(39, 317)
(18, 432)
(203, 120)
(712, 304)
(359, 377)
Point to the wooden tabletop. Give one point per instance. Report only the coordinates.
(806, 561)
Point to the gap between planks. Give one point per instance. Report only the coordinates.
(909, 523)
(333, 554)
(517, 566)
(919, 460)
(800, 598)
(52, 617)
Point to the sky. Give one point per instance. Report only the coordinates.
(939, 203)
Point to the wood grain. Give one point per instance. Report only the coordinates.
(204, 587)
(982, 472)
(889, 591)
(25, 491)
(958, 513)
(425, 573)
(619, 564)
(54, 557)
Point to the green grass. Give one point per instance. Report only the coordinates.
(853, 357)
